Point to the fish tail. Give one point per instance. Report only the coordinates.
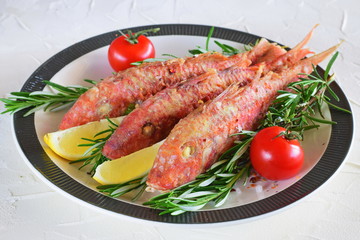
(316, 59)
(306, 39)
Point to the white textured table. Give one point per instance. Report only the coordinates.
(32, 31)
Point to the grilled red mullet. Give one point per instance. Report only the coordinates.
(112, 96)
(155, 118)
(200, 138)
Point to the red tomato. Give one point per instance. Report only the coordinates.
(275, 157)
(122, 52)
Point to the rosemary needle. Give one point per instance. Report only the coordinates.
(292, 109)
(93, 156)
(40, 100)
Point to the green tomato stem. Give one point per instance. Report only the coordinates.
(133, 37)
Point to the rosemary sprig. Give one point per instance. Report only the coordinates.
(226, 49)
(199, 50)
(293, 109)
(93, 156)
(67, 95)
(249, 46)
(213, 185)
(47, 101)
(148, 60)
(117, 190)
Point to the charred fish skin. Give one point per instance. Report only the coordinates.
(112, 96)
(187, 153)
(154, 119)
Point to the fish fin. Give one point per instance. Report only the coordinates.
(306, 39)
(258, 50)
(316, 59)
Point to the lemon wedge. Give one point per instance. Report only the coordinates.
(65, 142)
(128, 167)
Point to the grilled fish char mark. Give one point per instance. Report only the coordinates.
(199, 139)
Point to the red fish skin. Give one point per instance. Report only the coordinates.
(154, 119)
(200, 138)
(112, 96)
(287, 60)
(272, 53)
(159, 113)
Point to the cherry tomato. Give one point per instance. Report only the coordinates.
(275, 157)
(130, 48)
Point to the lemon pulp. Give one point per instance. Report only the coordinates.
(65, 142)
(128, 167)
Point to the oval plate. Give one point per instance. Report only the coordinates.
(335, 150)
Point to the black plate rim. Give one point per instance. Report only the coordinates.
(24, 127)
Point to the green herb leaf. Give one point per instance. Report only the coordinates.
(148, 60)
(330, 64)
(117, 190)
(208, 38)
(292, 109)
(93, 155)
(38, 100)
